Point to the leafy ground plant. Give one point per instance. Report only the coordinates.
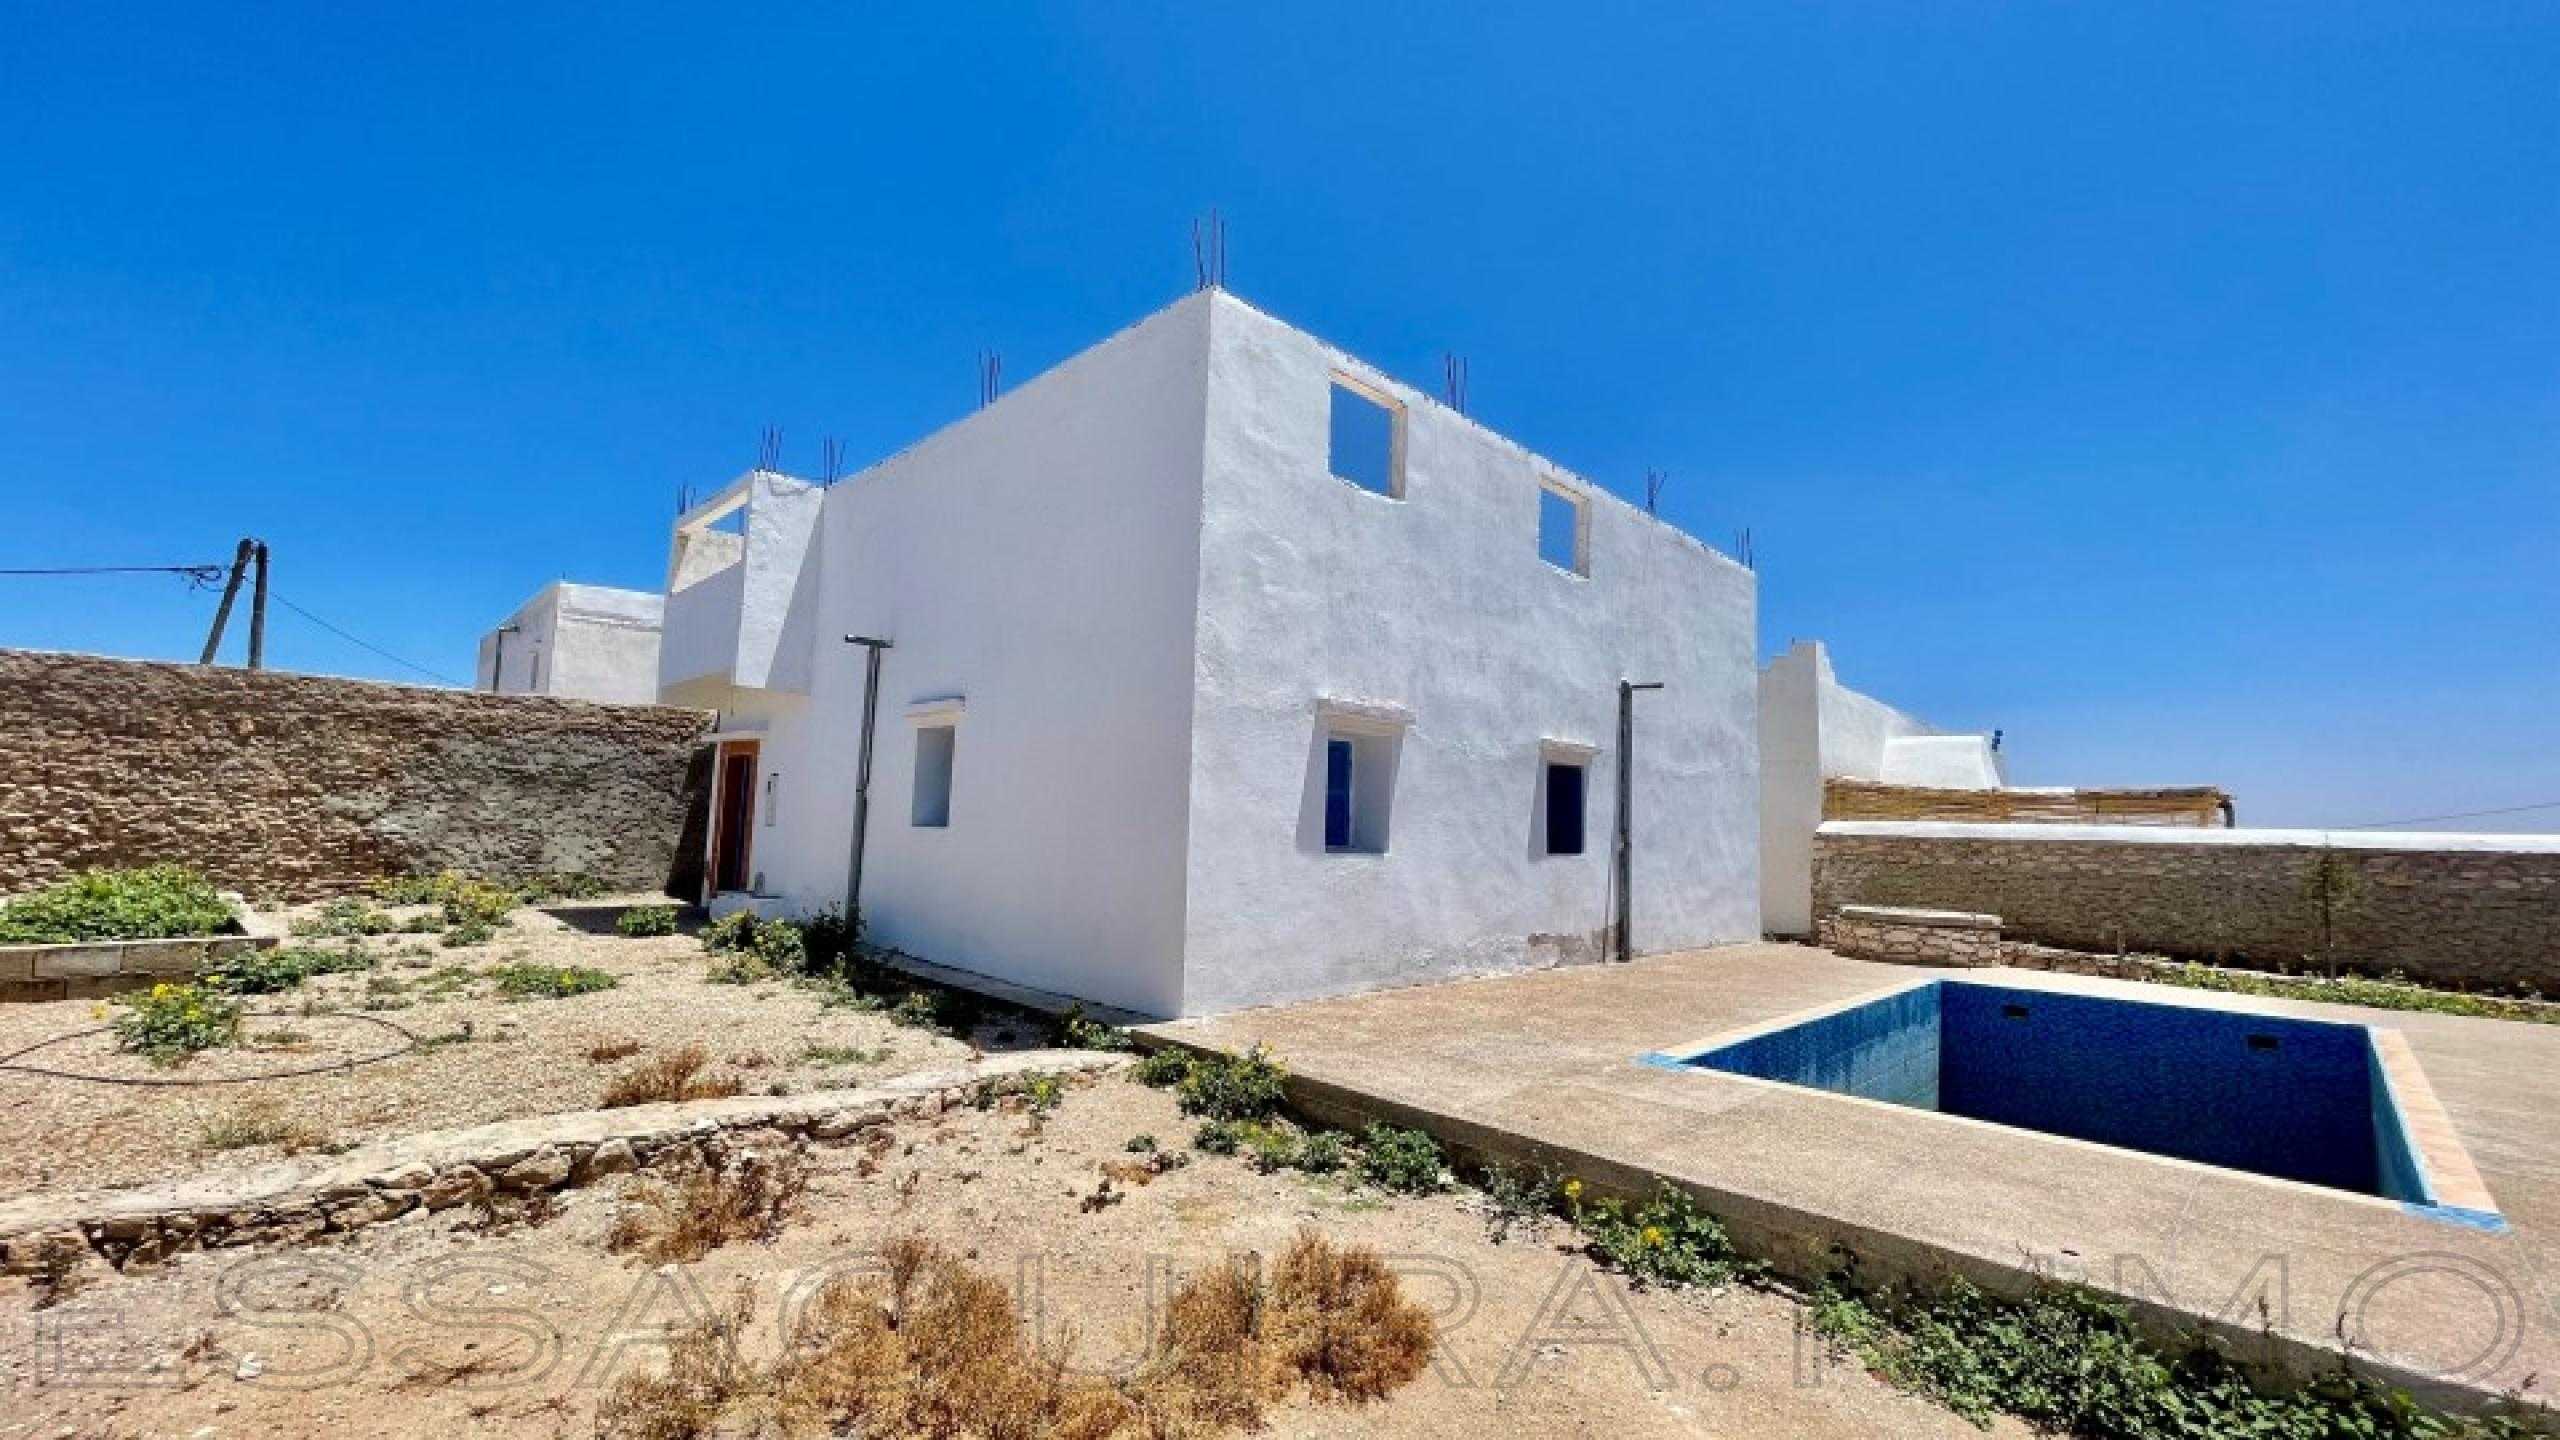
(1669, 1240)
(1243, 1087)
(1406, 1162)
(2392, 992)
(2069, 1361)
(269, 972)
(1076, 1030)
(172, 1022)
(644, 921)
(151, 903)
(526, 980)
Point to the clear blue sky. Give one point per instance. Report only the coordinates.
(2177, 388)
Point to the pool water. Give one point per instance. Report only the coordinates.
(2298, 1099)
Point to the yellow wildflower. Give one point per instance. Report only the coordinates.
(1573, 1189)
(1653, 1235)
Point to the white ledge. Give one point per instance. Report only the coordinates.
(944, 711)
(2198, 835)
(1377, 717)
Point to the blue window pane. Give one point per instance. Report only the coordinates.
(1337, 794)
(1363, 441)
(1559, 531)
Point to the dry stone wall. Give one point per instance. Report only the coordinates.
(299, 785)
(2476, 912)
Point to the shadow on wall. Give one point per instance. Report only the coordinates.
(684, 874)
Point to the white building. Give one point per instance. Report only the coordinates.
(1223, 670)
(1812, 729)
(581, 642)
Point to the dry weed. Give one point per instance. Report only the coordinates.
(605, 1052)
(704, 1376)
(748, 1199)
(676, 1075)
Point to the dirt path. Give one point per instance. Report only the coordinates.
(425, 1326)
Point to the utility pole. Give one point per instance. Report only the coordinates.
(258, 614)
(1626, 813)
(862, 772)
(230, 592)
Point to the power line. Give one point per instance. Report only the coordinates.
(200, 574)
(2465, 815)
(363, 644)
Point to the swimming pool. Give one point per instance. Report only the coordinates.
(2305, 1100)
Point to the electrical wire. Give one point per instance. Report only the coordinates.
(2464, 815)
(363, 644)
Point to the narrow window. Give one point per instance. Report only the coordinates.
(1366, 439)
(1564, 808)
(1563, 530)
(1359, 783)
(934, 745)
(772, 796)
(1337, 794)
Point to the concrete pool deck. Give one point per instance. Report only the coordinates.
(1548, 1066)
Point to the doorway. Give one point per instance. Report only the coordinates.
(733, 818)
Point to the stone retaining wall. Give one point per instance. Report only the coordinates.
(303, 785)
(291, 1202)
(2471, 912)
(109, 967)
(1912, 937)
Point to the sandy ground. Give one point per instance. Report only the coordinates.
(522, 1057)
(426, 1326)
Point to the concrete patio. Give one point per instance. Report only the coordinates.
(1545, 1067)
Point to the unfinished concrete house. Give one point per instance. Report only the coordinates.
(1219, 669)
(578, 642)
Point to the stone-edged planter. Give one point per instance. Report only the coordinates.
(294, 1201)
(1901, 936)
(87, 969)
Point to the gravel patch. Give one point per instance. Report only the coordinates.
(472, 1055)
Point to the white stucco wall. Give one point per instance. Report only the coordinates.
(1439, 605)
(740, 605)
(1942, 762)
(581, 642)
(1812, 727)
(1038, 561)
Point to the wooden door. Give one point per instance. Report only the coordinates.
(733, 827)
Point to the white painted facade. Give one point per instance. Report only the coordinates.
(1813, 728)
(579, 642)
(1133, 605)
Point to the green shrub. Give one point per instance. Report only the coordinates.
(1270, 1147)
(1668, 1240)
(1404, 1161)
(1246, 1087)
(921, 1009)
(1140, 1144)
(530, 981)
(154, 902)
(172, 1022)
(2069, 1361)
(1323, 1152)
(829, 940)
(1219, 1137)
(415, 889)
(642, 921)
(347, 916)
(1076, 1030)
(1168, 1066)
(472, 902)
(778, 943)
(267, 972)
(471, 932)
(731, 932)
(2392, 992)
(1040, 1093)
